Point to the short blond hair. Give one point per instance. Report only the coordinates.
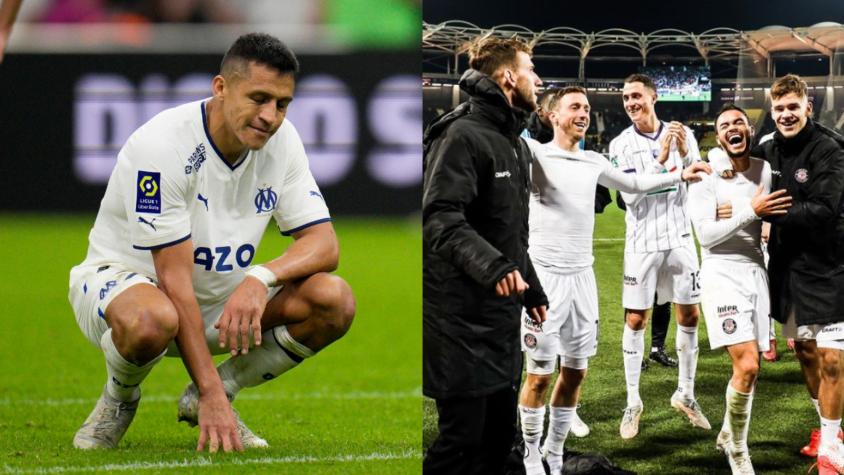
(487, 55)
(788, 84)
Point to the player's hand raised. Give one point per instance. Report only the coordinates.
(217, 426)
(775, 203)
(242, 316)
(690, 173)
(679, 132)
(511, 283)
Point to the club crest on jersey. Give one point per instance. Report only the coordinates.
(729, 326)
(148, 192)
(196, 159)
(530, 341)
(801, 175)
(265, 200)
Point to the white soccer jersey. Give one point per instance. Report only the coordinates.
(656, 221)
(562, 203)
(738, 238)
(171, 184)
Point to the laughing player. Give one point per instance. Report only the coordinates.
(562, 222)
(733, 277)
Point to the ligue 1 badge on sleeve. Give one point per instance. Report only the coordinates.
(148, 192)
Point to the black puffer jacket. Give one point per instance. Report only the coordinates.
(475, 231)
(807, 244)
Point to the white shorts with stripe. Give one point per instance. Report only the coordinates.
(736, 304)
(571, 329)
(672, 275)
(92, 289)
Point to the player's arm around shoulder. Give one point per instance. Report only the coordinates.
(174, 269)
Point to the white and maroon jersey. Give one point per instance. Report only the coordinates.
(656, 221)
(171, 184)
(562, 202)
(735, 239)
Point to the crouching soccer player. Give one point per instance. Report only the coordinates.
(562, 222)
(168, 269)
(734, 283)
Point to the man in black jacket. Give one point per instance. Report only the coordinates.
(806, 246)
(477, 275)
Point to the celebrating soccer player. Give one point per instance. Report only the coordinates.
(562, 222)
(733, 276)
(806, 246)
(169, 268)
(659, 251)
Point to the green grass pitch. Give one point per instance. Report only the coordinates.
(353, 409)
(667, 444)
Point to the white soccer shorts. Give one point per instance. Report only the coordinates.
(571, 330)
(736, 304)
(93, 289)
(673, 275)
(826, 335)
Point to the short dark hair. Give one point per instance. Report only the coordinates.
(642, 78)
(488, 54)
(730, 106)
(788, 84)
(559, 93)
(261, 48)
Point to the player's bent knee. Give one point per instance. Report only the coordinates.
(538, 383)
(333, 303)
(149, 332)
(635, 319)
(748, 369)
(831, 364)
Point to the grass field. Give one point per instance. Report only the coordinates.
(667, 443)
(353, 409)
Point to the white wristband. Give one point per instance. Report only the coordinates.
(263, 274)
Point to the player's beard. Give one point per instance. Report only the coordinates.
(524, 97)
(745, 152)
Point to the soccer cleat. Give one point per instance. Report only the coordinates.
(106, 424)
(831, 458)
(739, 461)
(533, 461)
(189, 412)
(811, 449)
(661, 357)
(630, 421)
(644, 364)
(691, 409)
(578, 427)
(771, 355)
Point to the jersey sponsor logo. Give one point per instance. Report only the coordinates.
(630, 280)
(801, 175)
(832, 329)
(148, 194)
(725, 311)
(504, 174)
(729, 326)
(530, 341)
(203, 199)
(148, 223)
(196, 159)
(265, 200)
(776, 173)
(222, 258)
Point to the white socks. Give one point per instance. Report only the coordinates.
(558, 429)
(817, 406)
(633, 346)
(123, 377)
(278, 353)
(686, 343)
(533, 421)
(829, 431)
(737, 417)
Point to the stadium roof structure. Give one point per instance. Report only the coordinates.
(717, 44)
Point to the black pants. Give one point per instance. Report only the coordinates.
(660, 318)
(475, 435)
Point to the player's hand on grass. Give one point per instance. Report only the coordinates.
(775, 203)
(690, 173)
(242, 316)
(538, 314)
(217, 425)
(510, 284)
